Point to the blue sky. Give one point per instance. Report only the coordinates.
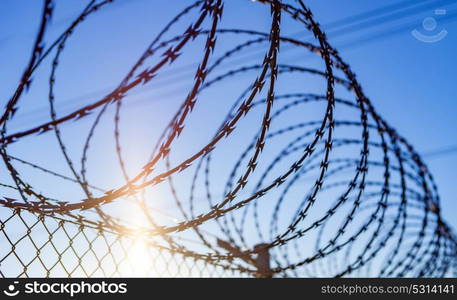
(411, 83)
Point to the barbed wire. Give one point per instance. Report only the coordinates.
(347, 194)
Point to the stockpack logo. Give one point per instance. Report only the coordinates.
(65, 288)
(11, 290)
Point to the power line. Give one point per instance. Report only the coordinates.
(444, 151)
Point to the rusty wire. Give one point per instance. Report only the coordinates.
(347, 194)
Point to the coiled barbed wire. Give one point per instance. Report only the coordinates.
(382, 218)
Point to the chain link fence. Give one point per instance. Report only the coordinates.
(42, 246)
